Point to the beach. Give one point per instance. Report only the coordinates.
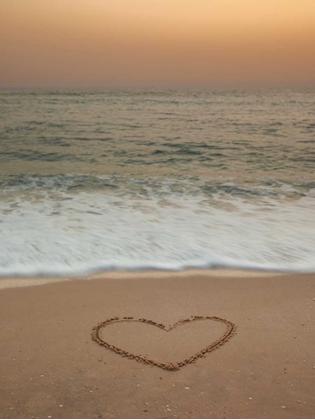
(51, 367)
(157, 207)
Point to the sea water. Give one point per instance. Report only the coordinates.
(159, 179)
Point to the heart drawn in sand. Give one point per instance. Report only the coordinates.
(229, 332)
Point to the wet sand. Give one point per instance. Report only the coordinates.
(51, 368)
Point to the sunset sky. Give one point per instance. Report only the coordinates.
(96, 42)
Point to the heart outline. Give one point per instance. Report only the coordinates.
(230, 331)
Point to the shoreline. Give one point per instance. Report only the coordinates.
(28, 281)
(51, 367)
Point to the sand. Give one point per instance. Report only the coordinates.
(51, 368)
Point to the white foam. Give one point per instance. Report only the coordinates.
(71, 234)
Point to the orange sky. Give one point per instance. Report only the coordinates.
(91, 42)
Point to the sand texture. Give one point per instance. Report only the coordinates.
(254, 338)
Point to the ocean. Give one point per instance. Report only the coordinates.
(156, 179)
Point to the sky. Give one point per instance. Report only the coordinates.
(99, 42)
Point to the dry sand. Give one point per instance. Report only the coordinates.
(50, 367)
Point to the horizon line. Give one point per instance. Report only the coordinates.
(125, 84)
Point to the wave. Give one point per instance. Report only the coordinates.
(158, 185)
(56, 226)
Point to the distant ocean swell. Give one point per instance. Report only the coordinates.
(74, 224)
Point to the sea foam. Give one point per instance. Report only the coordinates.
(64, 233)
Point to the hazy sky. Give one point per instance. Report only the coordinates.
(90, 42)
